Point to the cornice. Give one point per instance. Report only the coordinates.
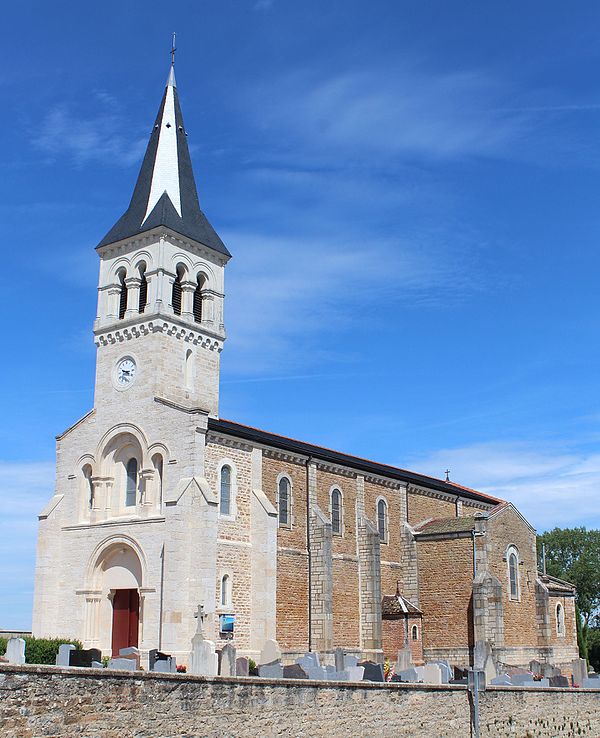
(128, 330)
(228, 441)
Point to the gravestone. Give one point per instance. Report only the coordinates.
(350, 661)
(591, 683)
(311, 665)
(404, 660)
(373, 671)
(333, 675)
(294, 671)
(130, 653)
(64, 654)
(429, 674)
(522, 680)
(84, 657)
(559, 681)
(242, 667)
(165, 666)
(502, 680)
(15, 651)
(579, 671)
(97, 665)
(408, 675)
(122, 664)
(549, 671)
(446, 670)
(340, 659)
(274, 670)
(535, 667)
(270, 652)
(155, 655)
(355, 673)
(227, 658)
(204, 661)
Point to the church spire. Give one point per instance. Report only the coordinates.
(165, 192)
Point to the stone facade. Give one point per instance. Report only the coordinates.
(50, 701)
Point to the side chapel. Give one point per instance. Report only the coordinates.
(161, 505)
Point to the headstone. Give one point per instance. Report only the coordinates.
(535, 667)
(591, 683)
(122, 664)
(310, 659)
(350, 661)
(404, 660)
(270, 652)
(579, 671)
(84, 657)
(130, 653)
(355, 673)
(15, 651)
(97, 665)
(373, 671)
(155, 655)
(502, 680)
(429, 674)
(522, 680)
(333, 675)
(549, 671)
(446, 670)
(294, 671)
(274, 670)
(242, 667)
(165, 666)
(227, 660)
(204, 661)
(64, 654)
(559, 681)
(408, 675)
(340, 658)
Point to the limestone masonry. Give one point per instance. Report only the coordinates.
(161, 506)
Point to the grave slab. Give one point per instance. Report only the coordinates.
(15, 651)
(64, 654)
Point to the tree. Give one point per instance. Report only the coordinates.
(573, 554)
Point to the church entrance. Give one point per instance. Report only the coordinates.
(126, 619)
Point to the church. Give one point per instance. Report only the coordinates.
(162, 506)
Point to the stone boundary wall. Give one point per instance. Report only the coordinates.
(48, 701)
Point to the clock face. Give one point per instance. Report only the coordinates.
(126, 369)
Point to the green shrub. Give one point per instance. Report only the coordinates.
(252, 667)
(41, 650)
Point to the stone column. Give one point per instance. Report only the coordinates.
(133, 296)
(147, 487)
(187, 299)
(208, 306)
(113, 292)
(321, 570)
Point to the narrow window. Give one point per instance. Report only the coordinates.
(198, 300)
(225, 591)
(336, 511)
(225, 507)
(130, 493)
(87, 473)
(415, 633)
(513, 575)
(143, 289)
(189, 370)
(122, 296)
(157, 461)
(382, 520)
(176, 294)
(284, 501)
(560, 620)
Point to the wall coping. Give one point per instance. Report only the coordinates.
(42, 670)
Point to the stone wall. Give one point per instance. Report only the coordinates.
(49, 701)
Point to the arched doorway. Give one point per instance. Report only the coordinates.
(120, 573)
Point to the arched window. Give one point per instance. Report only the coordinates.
(415, 633)
(336, 511)
(560, 620)
(131, 489)
(176, 294)
(513, 573)
(225, 590)
(157, 462)
(87, 473)
(382, 525)
(122, 295)
(198, 299)
(189, 370)
(283, 501)
(143, 289)
(225, 504)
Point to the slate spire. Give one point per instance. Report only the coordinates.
(165, 192)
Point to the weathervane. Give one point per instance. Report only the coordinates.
(173, 50)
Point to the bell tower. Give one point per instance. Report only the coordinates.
(159, 328)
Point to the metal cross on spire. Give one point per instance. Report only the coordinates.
(447, 472)
(173, 50)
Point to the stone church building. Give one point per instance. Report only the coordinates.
(161, 505)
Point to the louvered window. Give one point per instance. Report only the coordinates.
(123, 300)
(198, 304)
(176, 298)
(143, 293)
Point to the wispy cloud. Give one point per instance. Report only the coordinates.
(97, 135)
(24, 490)
(405, 111)
(552, 484)
(286, 295)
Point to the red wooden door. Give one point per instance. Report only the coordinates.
(126, 618)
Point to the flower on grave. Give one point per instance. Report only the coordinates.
(386, 669)
(181, 669)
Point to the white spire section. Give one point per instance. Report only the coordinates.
(165, 175)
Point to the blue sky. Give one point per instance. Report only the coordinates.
(411, 195)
